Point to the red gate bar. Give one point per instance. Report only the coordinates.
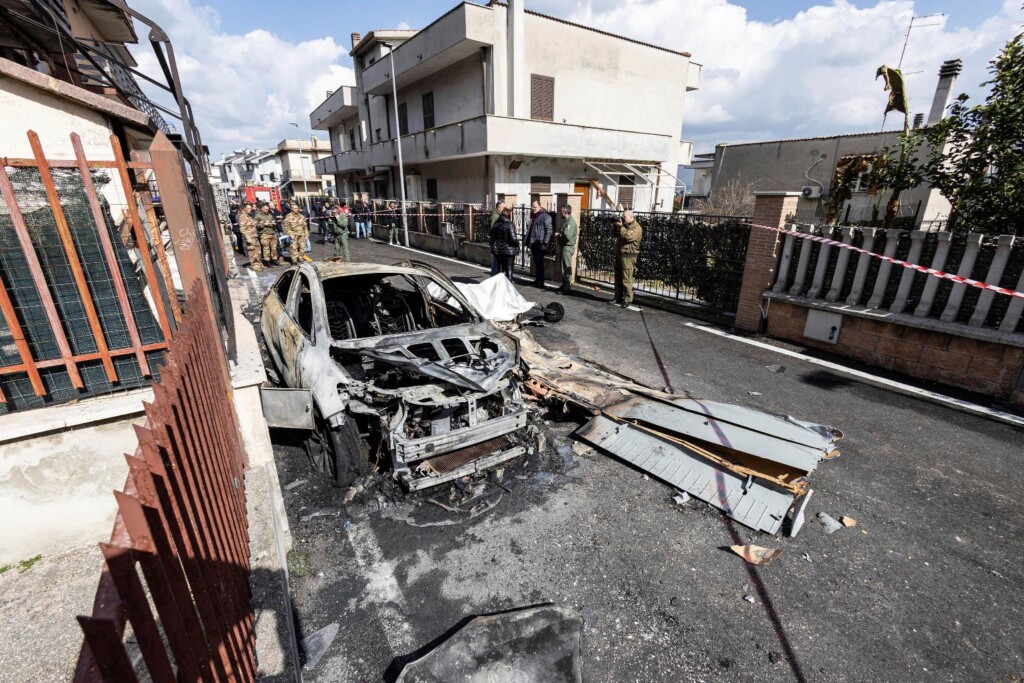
(109, 255)
(42, 289)
(140, 237)
(72, 256)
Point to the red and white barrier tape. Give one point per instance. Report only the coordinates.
(889, 259)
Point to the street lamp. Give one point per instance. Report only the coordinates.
(302, 167)
(398, 140)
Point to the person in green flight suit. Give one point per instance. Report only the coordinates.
(567, 238)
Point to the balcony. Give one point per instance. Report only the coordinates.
(456, 35)
(507, 136)
(338, 106)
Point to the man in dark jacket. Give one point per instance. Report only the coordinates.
(539, 237)
(504, 243)
(495, 215)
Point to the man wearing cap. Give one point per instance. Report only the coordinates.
(296, 228)
(628, 249)
(251, 236)
(267, 226)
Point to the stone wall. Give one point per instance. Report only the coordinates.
(983, 366)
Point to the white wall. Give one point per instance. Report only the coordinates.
(458, 94)
(605, 81)
(24, 108)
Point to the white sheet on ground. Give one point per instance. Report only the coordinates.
(496, 298)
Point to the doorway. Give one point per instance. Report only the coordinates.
(582, 189)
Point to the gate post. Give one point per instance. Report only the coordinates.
(771, 209)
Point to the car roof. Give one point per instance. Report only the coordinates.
(336, 268)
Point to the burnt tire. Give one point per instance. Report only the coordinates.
(554, 312)
(339, 452)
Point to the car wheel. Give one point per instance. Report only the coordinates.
(338, 452)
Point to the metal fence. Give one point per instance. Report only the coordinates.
(691, 258)
(816, 271)
(176, 581)
(85, 304)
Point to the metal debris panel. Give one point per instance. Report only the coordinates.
(742, 429)
(749, 502)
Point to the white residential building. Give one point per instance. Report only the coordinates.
(248, 167)
(496, 101)
(298, 174)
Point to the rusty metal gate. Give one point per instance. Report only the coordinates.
(177, 564)
(87, 300)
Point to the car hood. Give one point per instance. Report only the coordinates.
(473, 357)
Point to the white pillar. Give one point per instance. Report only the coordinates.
(787, 261)
(518, 79)
(824, 253)
(842, 261)
(861, 275)
(931, 285)
(802, 265)
(907, 279)
(956, 295)
(892, 237)
(994, 275)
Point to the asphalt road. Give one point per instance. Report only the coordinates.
(927, 586)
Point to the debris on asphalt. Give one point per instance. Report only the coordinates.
(681, 498)
(829, 522)
(326, 512)
(533, 645)
(848, 521)
(754, 393)
(295, 484)
(755, 554)
(752, 465)
(316, 644)
(807, 556)
(749, 598)
(352, 493)
(776, 368)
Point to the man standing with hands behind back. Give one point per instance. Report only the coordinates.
(628, 249)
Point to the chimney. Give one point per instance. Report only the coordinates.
(516, 38)
(918, 120)
(356, 37)
(950, 69)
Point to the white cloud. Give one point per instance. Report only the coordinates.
(245, 89)
(810, 74)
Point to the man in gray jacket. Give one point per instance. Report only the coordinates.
(539, 237)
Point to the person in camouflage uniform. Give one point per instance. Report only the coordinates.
(247, 226)
(267, 225)
(296, 228)
(342, 219)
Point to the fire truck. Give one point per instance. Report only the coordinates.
(260, 193)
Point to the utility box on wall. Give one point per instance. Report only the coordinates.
(823, 326)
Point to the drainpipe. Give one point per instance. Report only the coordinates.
(398, 140)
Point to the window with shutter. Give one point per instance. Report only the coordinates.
(626, 186)
(540, 184)
(403, 119)
(542, 98)
(428, 110)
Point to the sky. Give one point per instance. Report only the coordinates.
(772, 68)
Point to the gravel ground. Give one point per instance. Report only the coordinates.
(927, 586)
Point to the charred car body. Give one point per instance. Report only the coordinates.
(392, 364)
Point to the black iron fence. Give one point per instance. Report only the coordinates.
(696, 259)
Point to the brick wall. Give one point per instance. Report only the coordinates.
(986, 367)
(762, 255)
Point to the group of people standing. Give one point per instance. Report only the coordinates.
(257, 231)
(539, 234)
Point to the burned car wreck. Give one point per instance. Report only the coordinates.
(391, 365)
